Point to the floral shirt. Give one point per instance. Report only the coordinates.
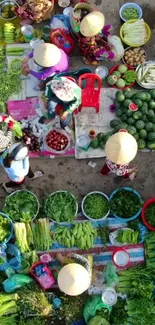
(119, 170)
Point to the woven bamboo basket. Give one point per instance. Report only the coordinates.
(82, 6)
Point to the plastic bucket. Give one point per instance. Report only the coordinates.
(130, 5)
(130, 190)
(143, 213)
(54, 194)
(83, 202)
(33, 217)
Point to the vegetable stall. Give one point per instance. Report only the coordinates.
(101, 230)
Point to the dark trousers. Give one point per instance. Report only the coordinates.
(12, 184)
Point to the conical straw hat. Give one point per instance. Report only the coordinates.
(92, 24)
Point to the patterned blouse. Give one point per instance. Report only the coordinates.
(119, 170)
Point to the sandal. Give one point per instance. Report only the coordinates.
(37, 174)
(9, 190)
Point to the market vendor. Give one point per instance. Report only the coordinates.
(65, 93)
(120, 149)
(15, 162)
(49, 59)
(6, 136)
(76, 276)
(91, 42)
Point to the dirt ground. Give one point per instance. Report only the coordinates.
(76, 175)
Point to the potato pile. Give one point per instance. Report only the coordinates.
(135, 56)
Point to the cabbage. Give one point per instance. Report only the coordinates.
(98, 320)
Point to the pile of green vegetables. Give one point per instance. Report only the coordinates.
(9, 84)
(8, 308)
(61, 206)
(150, 250)
(96, 206)
(31, 236)
(5, 228)
(135, 112)
(125, 204)
(128, 236)
(150, 215)
(21, 206)
(130, 13)
(81, 235)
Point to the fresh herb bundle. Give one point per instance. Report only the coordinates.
(150, 214)
(96, 206)
(5, 228)
(125, 204)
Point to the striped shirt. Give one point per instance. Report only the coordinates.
(5, 140)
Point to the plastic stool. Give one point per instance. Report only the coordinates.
(91, 91)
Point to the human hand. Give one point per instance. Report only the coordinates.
(25, 61)
(26, 70)
(64, 116)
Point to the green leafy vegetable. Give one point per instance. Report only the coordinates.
(137, 282)
(103, 232)
(96, 206)
(118, 312)
(21, 206)
(32, 321)
(128, 236)
(8, 320)
(33, 301)
(125, 204)
(8, 304)
(28, 259)
(5, 228)
(141, 311)
(9, 84)
(41, 234)
(61, 207)
(150, 214)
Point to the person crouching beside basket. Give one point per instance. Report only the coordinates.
(49, 60)
(15, 162)
(91, 41)
(120, 149)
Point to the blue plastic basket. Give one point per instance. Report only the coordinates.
(130, 5)
(11, 230)
(130, 190)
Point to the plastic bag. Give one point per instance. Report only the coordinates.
(60, 21)
(15, 282)
(110, 275)
(93, 304)
(116, 46)
(15, 262)
(98, 320)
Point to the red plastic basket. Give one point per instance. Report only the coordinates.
(113, 69)
(143, 213)
(62, 39)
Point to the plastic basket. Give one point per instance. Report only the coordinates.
(113, 69)
(148, 31)
(27, 192)
(143, 213)
(54, 194)
(83, 201)
(63, 40)
(11, 230)
(130, 5)
(130, 190)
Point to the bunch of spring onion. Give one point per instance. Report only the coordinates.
(135, 33)
(8, 304)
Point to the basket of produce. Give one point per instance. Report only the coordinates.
(135, 112)
(95, 206)
(15, 66)
(7, 9)
(148, 214)
(134, 56)
(61, 206)
(145, 75)
(6, 228)
(57, 141)
(135, 32)
(41, 9)
(22, 206)
(125, 204)
(121, 76)
(130, 11)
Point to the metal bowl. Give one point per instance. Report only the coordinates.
(5, 3)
